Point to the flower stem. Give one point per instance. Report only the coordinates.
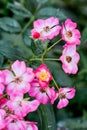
(26, 26)
(26, 99)
(55, 83)
(51, 59)
(46, 59)
(53, 45)
(34, 59)
(44, 52)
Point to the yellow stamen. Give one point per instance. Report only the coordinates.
(43, 76)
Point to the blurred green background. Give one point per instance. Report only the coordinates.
(75, 115)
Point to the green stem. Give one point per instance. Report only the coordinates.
(51, 59)
(26, 26)
(44, 51)
(53, 45)
(40, 59)
(26, 99)
(46, 59)
(55, 83)
(29, 22)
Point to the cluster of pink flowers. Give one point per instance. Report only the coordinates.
(16, 83)
(49, 28)
(14, 107)
(21, 80)
(70, 57)
(41, 90)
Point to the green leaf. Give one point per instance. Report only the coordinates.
(19, 10)
(48, 118)
(51, 12)
(42, 1)
(9, 25)
(33, 117)
(60, 14)
(74, 124)
(32, 5)
(8, 51)
(1, 60)
(26, 38)
(37, 47)
(83, 60)
(6, 36)
(84, 36)
(60, 77)
(35, 64)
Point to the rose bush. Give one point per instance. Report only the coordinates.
(29, 78)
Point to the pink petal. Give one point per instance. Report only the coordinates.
(71, 93)
(19, 67)
(52, 21)
(70, 69)
(76, 58)
(69, 50)
(39, 25)
(13, 91)
(1, 88)
(33, 91)
(18, 125)
(77, 33)
(69, 24)
(10, 89)
(31, 126)
(2, 77)
(2, 120)
(62, 103)
(52, 94)
(42, 98)
(32, 105)
(30, 73)
(43, 84)
(9, 77)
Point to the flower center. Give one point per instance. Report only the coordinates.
(68, 59)
(43, 90)
(47, 29)
(43, 75)
(69, 34)
(14, 121)
(18, 80)
(20, 103)
(62, 95)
